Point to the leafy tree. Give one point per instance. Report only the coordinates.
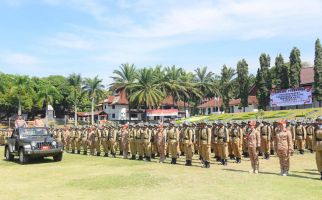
(75, 81)
(295, 68)
(226, 86)
(146, 90)
(263, 81)
(21, 87)
(318, 72)
(94, 89)
(243, 81)
(282, 73)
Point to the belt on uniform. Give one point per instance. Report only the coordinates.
(309, 134)
(300, 134)
(318, 139)
(264, 134)
(203, 139)
(220, 137)
(173, 138)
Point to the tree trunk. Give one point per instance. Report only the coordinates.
(46, 118)
(19, 105)
(75, 115)
(129, 112)
(184, 107)
(92, 111)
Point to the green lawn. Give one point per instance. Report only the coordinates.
(86, 177)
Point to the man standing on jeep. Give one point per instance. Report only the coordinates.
(20, 123)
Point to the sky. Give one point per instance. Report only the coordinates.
(94, 37)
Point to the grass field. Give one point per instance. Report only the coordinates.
(86, 177)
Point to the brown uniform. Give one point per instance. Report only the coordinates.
(205, 145)
(125, 142)
(187, 138)
(317, 146)
(309, 137)
(300, 137)
(266, 133)
(253, 143)
(237, 142)
(173, 142)
(284, 149)
(161, 138)
(223, 139)
(111, 141)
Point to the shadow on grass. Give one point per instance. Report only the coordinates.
(33, 161)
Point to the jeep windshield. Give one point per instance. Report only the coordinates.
(29, 132)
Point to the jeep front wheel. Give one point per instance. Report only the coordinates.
(8, 155)
(23, 159)
(58, 157)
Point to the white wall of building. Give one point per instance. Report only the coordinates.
(115, 112)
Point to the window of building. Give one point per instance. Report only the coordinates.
(113, 115)
(105, 107)
(113, 106)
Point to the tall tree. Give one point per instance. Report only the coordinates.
(45, 97)
(263, 81)
(295, 68)
(318, 72)
(94, 89)
(282, 73)
(146, 90)
(172, 83)
(123, 78)
(75, 81)
(21, 87)
(204, 80)
(226, 85)
(243, 80)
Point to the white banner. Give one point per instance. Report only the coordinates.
(291, 97)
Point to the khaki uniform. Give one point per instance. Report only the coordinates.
(154, 147)
(2, 137)
(214, 142)
(132, 136)
(146, 144)
(309, 137)
(223, 139)
(138, 142)
(253, 143)
(72, 139)
(244, 145)
(119, 141)
(266, 133)
(67, 140)
(237, 142)
(112, 141)
(84, 140)
(91, 141)
(161, 138)
(317, 146)
(205, 145)
(98, 135)
(78, 140)
(284, 149)
(187, 138)
(300, 137)
(125, 142)
(104, 141)
(173, 142)
(230, 144)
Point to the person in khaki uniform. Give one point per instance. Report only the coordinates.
(161, 138)
(84, 139)
(237, 141)
(138, 142)
(223, 139)
(309, 136)
(145, 142)
(244, 148)
(72, 139)
(253, 145)
(187, 138)
(300, 137)
(98, 135)
(290, 125)
(214, 142)
(230, 144)
(119, 145)
(92, 140)
(154, 146)
(205, 144)
(66, 136)
(2, 137)
(132, 135)
(283, 146)
(317, 144)
(78, 135)
(112, 140)
(173, 142)
(104, 141)
(125, 140)
(266, 133)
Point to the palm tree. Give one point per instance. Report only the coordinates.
(21, 87)
(173, 84)
(75, 81)
(204, 81)
(94, 89)
(46, 96)
(146, 90)
(226, 85)
(123, 79)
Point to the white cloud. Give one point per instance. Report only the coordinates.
(19, 59)
(72, 41)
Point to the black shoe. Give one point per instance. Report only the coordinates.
(301, 151)
(246, 155)
(272, 152)
(133, 157)
(267, 157)
(206, 165)
(260, 154)
(218, 159)
(140, 158)
(225, 162)
(73, 151)
(238, 160)
(106, 155)
(152, 156)
(85, 153)
(311, 150)
(121, 153)
(114, 155)
(188, 163)
(200, 157)
(98, 154)
(147, 158)
(196, 151)
(321, 176)
(174, 161)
